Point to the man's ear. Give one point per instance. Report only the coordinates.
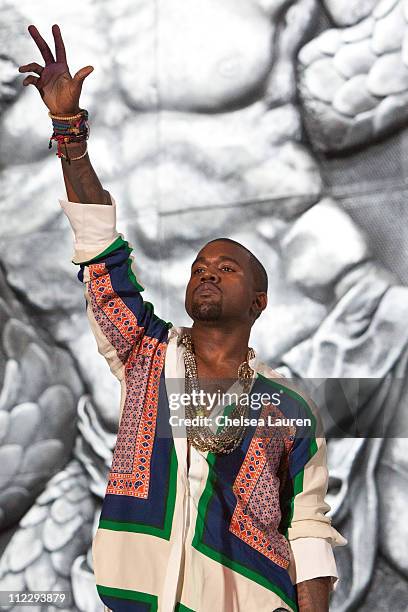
(259, 303)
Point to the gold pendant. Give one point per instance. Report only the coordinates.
(201, 411)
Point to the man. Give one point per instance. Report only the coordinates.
(231, 518)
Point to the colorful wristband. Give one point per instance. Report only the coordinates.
(69, 129)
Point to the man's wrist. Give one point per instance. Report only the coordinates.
(313, 595)
(69, 129)
(73, 152)
(78, 145)
(65, 113)
(75, 146)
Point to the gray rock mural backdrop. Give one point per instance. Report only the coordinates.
(280, 123)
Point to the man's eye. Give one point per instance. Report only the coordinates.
(198, 270)
(227, 268)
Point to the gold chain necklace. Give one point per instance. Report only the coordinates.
(201, 436)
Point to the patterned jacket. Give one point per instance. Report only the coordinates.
(233, 532)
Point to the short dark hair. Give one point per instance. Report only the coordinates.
(258, 270)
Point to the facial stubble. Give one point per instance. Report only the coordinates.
(206, 311)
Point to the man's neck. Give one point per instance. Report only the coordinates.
(220, 345)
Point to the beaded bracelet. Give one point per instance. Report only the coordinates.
(67, 117)
(69, 129)
(70, 159)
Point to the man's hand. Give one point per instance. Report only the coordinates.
(57, 88)
(313, 595)
(61, 93)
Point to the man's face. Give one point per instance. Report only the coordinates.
(221, 286)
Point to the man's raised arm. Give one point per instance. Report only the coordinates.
(60, 93)
(124, 325)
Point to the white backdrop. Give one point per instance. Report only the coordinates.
(277, 123)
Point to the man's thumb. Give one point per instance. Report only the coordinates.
(83, 73)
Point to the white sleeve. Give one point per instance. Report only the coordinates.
(94, 227)
(312, 558)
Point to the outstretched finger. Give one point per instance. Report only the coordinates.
(31, 80)
(33, 67)
(59, 45)
(41, 44)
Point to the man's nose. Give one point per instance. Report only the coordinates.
(210, 275)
